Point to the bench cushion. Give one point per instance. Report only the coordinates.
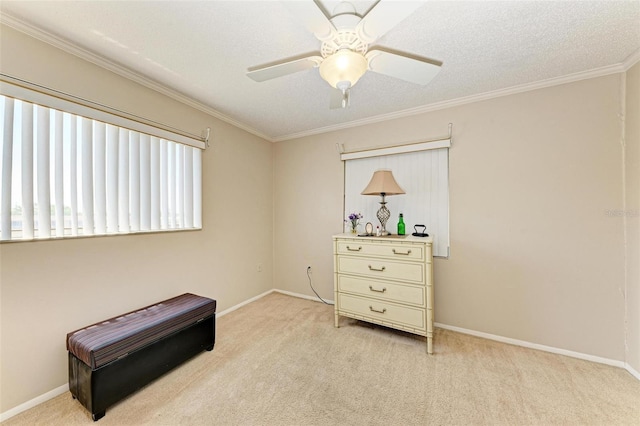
(103, 342)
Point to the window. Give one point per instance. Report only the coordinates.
(422, 171)
(66, 174)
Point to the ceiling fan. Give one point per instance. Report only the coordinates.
(344, 54)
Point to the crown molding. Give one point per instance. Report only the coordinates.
(89, 56)
(570, 78)
(631, 60)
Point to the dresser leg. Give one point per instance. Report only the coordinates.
(430, 345)
(336, 321)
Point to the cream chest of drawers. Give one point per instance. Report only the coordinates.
(385, 280)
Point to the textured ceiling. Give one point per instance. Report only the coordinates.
(202, 49)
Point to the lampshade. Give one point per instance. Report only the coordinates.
(382, 182)
(343, 66)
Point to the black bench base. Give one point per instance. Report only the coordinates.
(100, 388)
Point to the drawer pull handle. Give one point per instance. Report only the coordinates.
(399, 252)
(354, 249)
(371, 268)
(376, 290)
(375, 310)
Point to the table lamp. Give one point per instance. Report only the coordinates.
(382, 183)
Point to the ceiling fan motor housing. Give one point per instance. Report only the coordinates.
(344, 39)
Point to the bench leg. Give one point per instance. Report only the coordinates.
(97, 416)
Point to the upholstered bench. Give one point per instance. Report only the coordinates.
(112, 359)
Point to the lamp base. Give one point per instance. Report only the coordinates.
(383, 216)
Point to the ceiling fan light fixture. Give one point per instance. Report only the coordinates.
(343, 66)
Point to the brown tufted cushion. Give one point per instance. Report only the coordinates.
(103, 342)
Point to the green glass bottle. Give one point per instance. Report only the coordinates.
(401, 225)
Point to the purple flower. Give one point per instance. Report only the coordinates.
(354, 218)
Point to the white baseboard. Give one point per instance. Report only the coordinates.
(525, 344)
(64, 388)
(260, 296)
(302, 296)
(241, 304)
(516, 342)
(631, 370)
(35, 401)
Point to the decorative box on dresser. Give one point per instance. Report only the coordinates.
(385, 280)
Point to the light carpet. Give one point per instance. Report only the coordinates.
(280, 361)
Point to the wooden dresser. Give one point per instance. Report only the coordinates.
(385, 280)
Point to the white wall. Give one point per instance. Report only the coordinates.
(49, 288)
(534, 256)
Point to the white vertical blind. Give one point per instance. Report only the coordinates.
(188, 188)
(197, 188)
(99, 178)
(59, 173)
(155, 183)
(7, 171)
(123, 179)
(171, 167)
(112, 150)
(73, 173)
(164, 182)
(86, 154)
(134, 175)
(423, 175)
(42, 171)
(179, 186)
(27, 170)
(66, 175)
(145, 182)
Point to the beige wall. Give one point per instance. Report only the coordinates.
(632, 211)
(49, 288)
(534, 255)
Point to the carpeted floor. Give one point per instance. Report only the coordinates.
(280, 361)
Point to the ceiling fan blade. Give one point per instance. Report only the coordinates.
(338, 99)
(284, 68)
(312, 17)
(413, 70)
(384, 16)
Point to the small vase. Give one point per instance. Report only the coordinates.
(354, 227)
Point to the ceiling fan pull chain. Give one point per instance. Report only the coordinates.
(345, 98)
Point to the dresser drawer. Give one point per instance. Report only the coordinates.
(389, 250)
(383, 311)
(382, 290)
(382, 269)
